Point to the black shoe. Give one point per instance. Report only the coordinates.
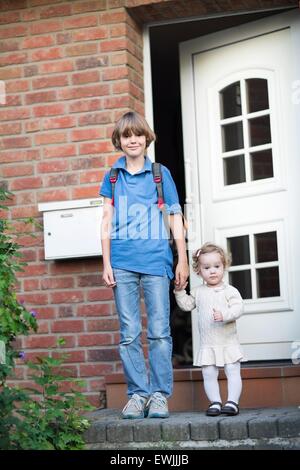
(230, 410)
(212, 410)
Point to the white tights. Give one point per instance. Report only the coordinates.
(234, 382)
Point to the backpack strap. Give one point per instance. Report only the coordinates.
(157, 178)
(113, 177)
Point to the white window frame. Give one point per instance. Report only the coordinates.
(265, 304)
(249, 188)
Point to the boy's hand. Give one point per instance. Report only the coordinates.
(217, 315)
(108, 277)
(181, 275)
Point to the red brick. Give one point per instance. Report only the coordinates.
(57, 283)
(87, 134)
(54, 195)
(94, 339)
(40, 97)
(40, 342)
(84, 163)
(67, 326)
(100, 294)
(20, 170)
(41, 27)
(115, 73)
(85, 105)
(92, 177)
(94, 370)
(29, 15)
(34, 42)
(61, 180)
(65, 311)
(96, 385)
(28, 255)
(50, 138)
(53, 11)
(111, 45)
(45, 313)
(56, 67)
(83, 92)
(60, 151)
(36, 299)
(102, 325)
(113, 17)
(13, 72)
(103, 117)
(48, 82)
(33, 270)
(85, 77)
(94, 5)
(91, 34)
(16, 142)
(72, 356)
(31, 284)
(13, 58)
(13, 100)
(91, 62)
(80, 22)
(118, 102)
(27, 211)
(59, 122)
(49, 109)
(66, 297)
(81, 49)
(46, 54)
(82, 193)
(57, 165)
(32, 126)
(10, 128)
(13, 31)
(96, 147)
(94, 310)
(90, 280)
(26, 183)
(31, 70)
(14, 114)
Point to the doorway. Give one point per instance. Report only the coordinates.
(167, 118)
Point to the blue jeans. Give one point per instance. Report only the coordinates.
(127, 298)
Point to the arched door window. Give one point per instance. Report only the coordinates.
(246, 137)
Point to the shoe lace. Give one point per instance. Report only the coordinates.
(135, 402)
(158, 400)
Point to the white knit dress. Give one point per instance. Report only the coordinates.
(218, 343)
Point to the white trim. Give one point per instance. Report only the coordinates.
(148, 88)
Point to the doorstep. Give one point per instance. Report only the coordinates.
(263, 386)
(264, 428)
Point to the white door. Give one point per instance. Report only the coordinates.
(242, 170)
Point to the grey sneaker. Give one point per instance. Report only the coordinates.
(135, 407)
(157, 406)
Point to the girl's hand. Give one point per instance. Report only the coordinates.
(178, 288)
(217, 315)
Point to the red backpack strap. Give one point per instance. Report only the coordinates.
(113, 177)
(157, 178)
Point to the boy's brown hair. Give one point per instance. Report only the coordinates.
(210, 248)
(131, 123)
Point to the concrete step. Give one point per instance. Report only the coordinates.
(263, 428)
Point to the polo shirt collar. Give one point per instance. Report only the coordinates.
(121, 164)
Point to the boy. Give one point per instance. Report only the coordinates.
(136, 253)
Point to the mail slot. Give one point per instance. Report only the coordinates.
(72, 228)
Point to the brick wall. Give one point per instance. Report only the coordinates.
(71, 68)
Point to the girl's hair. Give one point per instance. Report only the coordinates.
(210, 248)
(131, 123)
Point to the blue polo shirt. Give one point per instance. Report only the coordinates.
(139, 241)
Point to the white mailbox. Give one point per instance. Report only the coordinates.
(72, 229)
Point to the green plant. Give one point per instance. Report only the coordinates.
(45, 417)
(53, 419)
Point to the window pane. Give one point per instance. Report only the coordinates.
(233, 136)
(239, 249)
(266, 247)
(260, 131)
(257, 94)
(241, 280)
(268, 282)
(261, 165)
(234, 170)
(230, 101)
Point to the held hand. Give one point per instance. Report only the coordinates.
(181, 275)
(217, 315)
(180, 288)
(108, 277)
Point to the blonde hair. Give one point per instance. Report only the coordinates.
(210, 248)
(131, 123)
